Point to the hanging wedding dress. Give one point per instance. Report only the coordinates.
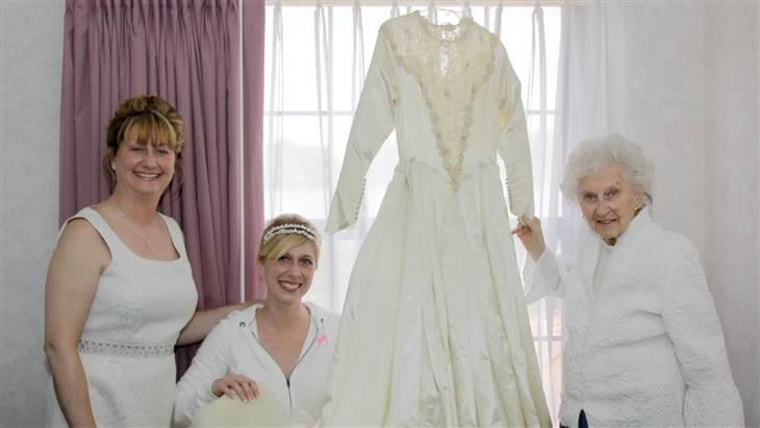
(435, 329)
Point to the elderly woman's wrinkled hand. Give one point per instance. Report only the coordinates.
(236, 386)
(532, 237)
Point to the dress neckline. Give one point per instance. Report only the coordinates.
(133, 252)
(444, 33)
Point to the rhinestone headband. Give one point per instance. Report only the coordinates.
(290, 228)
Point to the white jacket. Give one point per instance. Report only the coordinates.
(646, 349)
(232, 347)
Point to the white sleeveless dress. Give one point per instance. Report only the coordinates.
(127, 345)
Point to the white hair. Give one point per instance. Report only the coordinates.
(591, 156)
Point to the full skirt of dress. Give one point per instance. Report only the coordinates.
(435, 328)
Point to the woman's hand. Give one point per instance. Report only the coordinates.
(236, 386)
(205, 319)
(532, 237)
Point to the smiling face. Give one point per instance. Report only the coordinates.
(608, 201)
(145, 139)
(142, 166)
(288, 277)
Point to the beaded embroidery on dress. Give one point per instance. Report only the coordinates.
(435, 329)
(450, 63)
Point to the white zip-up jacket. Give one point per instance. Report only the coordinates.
(646, 347)
(232, 347)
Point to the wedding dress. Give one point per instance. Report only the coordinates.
(435, 329)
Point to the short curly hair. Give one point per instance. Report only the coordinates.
(593, 155)
(151, 120)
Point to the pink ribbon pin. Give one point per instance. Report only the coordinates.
(321, 339)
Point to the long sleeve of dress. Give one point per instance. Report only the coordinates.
(692, 324)
(514, 147)
(210, 363)
(544, 278)
(373, 122)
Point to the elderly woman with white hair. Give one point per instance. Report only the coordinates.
(643, 343)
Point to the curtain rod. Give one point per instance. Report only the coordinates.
(418, 3)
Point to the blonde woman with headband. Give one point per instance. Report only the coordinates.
(120, 293)
(280, 350)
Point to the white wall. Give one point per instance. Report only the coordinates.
(656, 84)
(694, 105)
(732, 186)
(30, 54)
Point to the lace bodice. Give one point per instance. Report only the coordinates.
(454, 100)
(450, 63)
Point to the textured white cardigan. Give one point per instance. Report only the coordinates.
(647, 348)
(232, 347)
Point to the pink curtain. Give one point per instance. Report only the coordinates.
(188, 52)
(254, 16)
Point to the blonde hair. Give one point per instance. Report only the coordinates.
(149, 120)
(285, 232)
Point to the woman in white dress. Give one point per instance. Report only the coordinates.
(643, 345)
(280, 351)
(120, 293)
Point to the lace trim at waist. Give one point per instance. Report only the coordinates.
(126, 349)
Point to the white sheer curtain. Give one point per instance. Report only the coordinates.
(317, 55)
(588, 100)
